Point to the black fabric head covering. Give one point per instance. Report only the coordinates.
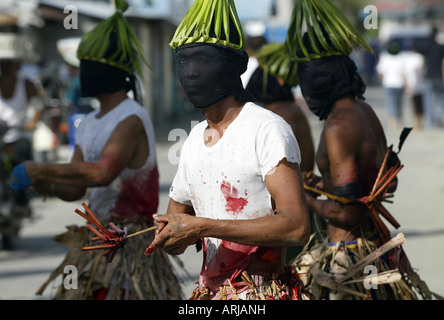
(268, 90)
(98, 78)
(325, 80)
(210, 73)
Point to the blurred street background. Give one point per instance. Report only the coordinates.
(418, 203)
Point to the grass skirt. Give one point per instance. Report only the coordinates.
(130, 275)
(359, 270)
(285, 287)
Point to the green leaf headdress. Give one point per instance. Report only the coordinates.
(95, 44)
(213, 22)
(275, 61)
(321, 17)
(317, 14)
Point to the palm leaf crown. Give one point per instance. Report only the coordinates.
(95, 44)
(275, 61)
(318, 14)
(320, 18)
(213, 22)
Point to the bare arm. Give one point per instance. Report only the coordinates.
(288, 227)
(342, 145)
(122, 150)
(302, 131)
(63, 191)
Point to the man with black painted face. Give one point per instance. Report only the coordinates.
(238, 186)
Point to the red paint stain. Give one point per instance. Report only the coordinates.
(235, 203)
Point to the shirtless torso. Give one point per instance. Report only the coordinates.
(351, 150)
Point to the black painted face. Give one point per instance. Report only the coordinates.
(208, 74)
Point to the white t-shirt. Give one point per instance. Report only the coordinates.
(415, 71)
(227, 181)
(391, 67)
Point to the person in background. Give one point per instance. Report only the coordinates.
(115, 159)
(433, 84)
(255, 39)
(20, 110)
(391, 69)
(415, 71)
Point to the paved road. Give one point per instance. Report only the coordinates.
(418, 206)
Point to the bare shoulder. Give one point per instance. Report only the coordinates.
(345, 128)
(287, 110)
(133, 124)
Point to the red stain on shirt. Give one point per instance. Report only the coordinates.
(139, 197)
(234, 203)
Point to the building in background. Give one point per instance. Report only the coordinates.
(409, 20)
(154, 22)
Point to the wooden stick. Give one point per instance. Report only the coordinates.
(328, 195)
(396, 241)
(381, 170)
(97, 224)
(84, 216)
(382, 210)
(90, 213)
(92, 221)
(385, 277)
(96, 232)
(140, 232)
(381, 229)
(382, 180)
(91, 277)
(102, 246)
(385, 230)
(328, 281)
(388, 181)
(115, 228)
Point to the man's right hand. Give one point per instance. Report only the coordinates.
(174, 234)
